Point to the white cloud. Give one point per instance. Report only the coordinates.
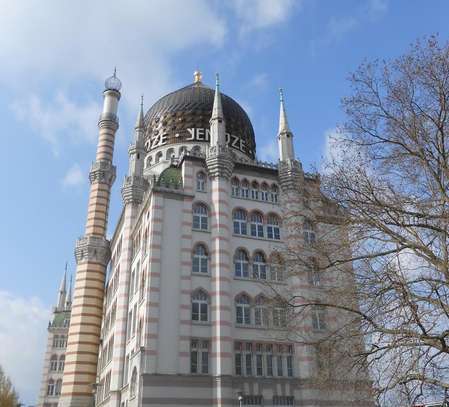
(269, 152)
(257, 14)
(259, 81)
(22, 342)
(59, 118)
(73, 177)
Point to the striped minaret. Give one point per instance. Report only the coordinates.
(92, 254)
(220, 166)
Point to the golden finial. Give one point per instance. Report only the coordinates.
(197, 76)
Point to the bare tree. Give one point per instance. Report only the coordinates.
(8, 396)
(383, 256)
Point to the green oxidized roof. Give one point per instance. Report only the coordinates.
(171, 178)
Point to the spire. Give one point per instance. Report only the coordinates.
(217, 122)
(217, 110)
(62, 290)
(140, 123)
(283, 122)
(68, 301)
(285, 135)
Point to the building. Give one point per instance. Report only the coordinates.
(54, 360)
(184, 318)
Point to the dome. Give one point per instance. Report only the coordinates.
(183, 117)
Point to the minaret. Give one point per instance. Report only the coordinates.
(92, 254)
(68, 301)
(285, 136)
(217, 121)
(62, 291)
(220, 166)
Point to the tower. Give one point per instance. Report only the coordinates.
(92, 255)
(54, 359)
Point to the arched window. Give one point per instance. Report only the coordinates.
(254, 190)
(148, 161)
(273, 231)
(200, 304)
(200, 261)
(276, 268)
(235, 187)
(200, 217)
(56, 341)
(51, 387)
(245, 189)
(62, 341)
(240, 222)
(261, 311)
(54, 363)
(201, 182)
(243, 310)
(169, 154)
(133, 384)
(259, 267)
(256, 224)
(58, 387)
(309, 232)
(274, 193)
(61, 363)
(158, 157)
(241, 264)
(196, 150)
(182, 150)
(264, 192)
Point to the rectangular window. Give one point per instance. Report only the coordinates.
(194, 361)
(290, 366)
(280, 366)
(259, 365)
(269, 365)
(238, 364)
(283, 401)
(248, 364)
(319, 318)
(199, 356)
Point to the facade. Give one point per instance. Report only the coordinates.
(186, 316)
(54, 359)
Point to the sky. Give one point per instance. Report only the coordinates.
(54, 57)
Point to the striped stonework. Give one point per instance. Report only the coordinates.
(92, 255)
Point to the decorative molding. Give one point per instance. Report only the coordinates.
(291, 175)
(92, 248)
(133, 189)
(220, 162)
(102, 171)
(108, 120)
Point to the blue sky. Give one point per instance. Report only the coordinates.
(54, 57)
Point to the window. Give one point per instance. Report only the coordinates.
(125, 370)
(200, 217)
(51, 387)
(273, 231)
(241, 264)
(313, 273)
(289, 365)
(158, 157)
(148, 161)
(252, 400)
(276, 268)
(62, 341)
(248, 359)
(279, 362)
(133, 329)
(199, 356)
(200, 301)
(259, 267)
(235, 187)
(133, 386)
(170, 154)
(261, 312)
(309, 232)
(54, 363)
(256, 224)
(264, 192)
(274, 193)
(259, 360)
(58, 387)
(243, 310)
(56, 341)
(254, 190)
(245, 189)
(240, 221)
(279, 317)
(283, 401)
(269, 359)
(61, 363)
(200, 261)
(201, 182)
(318, 318)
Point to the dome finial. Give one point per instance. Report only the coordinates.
(113, 83)
(197, 76)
